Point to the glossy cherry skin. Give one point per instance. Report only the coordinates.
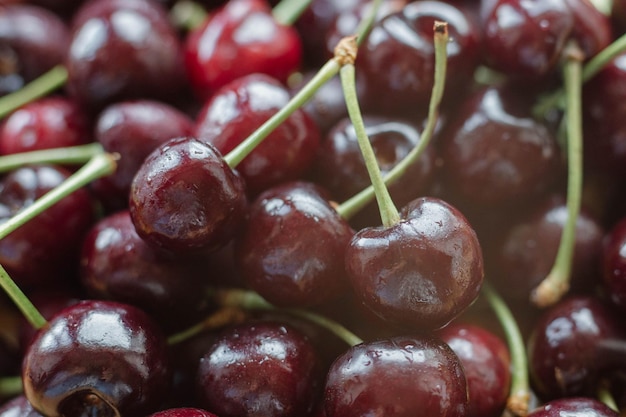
(241, 107)
(399, 377)
(97, 358)
(291, 250)
(528, 250)
(614, 264)
(486, 362)
(53, 122)
(116, 264)
(121, 50)
(421, 272)
(18, 407)
(183, 412)
(572, 345)
(32, 41)
(574, 407)
(259, 369)
(397, 58)
(134, 129)
(43, 252)
(527, 39)
(495, 153)
(238, 39)
(185, 197)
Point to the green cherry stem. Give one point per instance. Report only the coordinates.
(288, 11)
(10, 386)
(388, 211)
(519, 395)
(556, 284)
(188, 15)
(605, 396)
(26, 307)
(353, 205)
(64, 156)
(222, 317)
(42, 86)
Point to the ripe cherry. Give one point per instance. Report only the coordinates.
(574, 407)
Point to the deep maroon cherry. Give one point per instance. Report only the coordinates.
(486, 362)
(185, 197)
(97, 358)
(495, 153)
(32, 41)
(399, 377)
(123, 49)
(242, 106)
(18, 407)
(53, 122)
(614, 264)
(183, 412)
(134, 129)
(574, 407)
(44, 252)
(240, 38)
(118, 265)
(421, 272)
(397, 58)
(572, 345)
(291, 250)
(259, 369)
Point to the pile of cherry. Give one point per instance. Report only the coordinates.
(223, 266)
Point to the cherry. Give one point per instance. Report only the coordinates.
(33, 40)
(241, 107)
(259, 369)
(291, 251)
(240, 38)
(421, 272)
(185, 197)
(183, 412)
(495, 153)
(43, 253)
(397, 58)
(486, 363)
(123, 49)
(53, 122)
(18, 407)
(96, 358)
(574, 407)
(572, 345)
(614, 264)
(134, 129)
(404, 376)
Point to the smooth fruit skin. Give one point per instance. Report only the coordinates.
(574, 407)
(399, 377)
(238, 39)
(18, 407)
(614, 264)
(183, 412)
(421, 272)
(264, 369)
(97, 356)
(185, 197)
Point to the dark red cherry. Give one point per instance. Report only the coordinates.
(574, 407)
(291, 250)
(18, 407)
(121, 50)
(495, 153)
(486, 362)
(398, 377)
(134, 129)
(43, 253)
(241, 107)
(97, 358)
(185, 197)
(183, 412)
(53, 122)
(32, 41)
(259, 369)
(421, 272)
(573, 345)
(397, 58)
(614, 264)
(240, 38)
(116, 264)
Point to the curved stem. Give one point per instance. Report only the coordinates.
(45, 84)
(65, 156)
(366, 24)
(519, 395)
(556, 284)
(356, 203)
(287, 12)
(26, 307)
(605, 396)
(221, 318)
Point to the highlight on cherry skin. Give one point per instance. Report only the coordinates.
(208, 209)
